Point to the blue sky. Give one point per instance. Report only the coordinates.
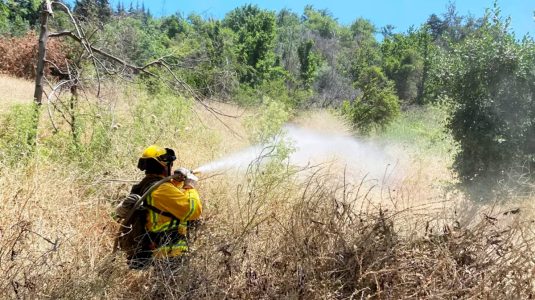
(400, 13)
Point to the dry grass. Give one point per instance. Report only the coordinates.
(14, 90)
(323, 241)
(323, 122)
(302, 234)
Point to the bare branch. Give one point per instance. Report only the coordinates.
(54, 89)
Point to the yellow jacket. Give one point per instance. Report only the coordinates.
(183, 204)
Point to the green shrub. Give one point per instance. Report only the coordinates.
(103, 140)
(268, 123)
(376, 106)
(255, 30)
(492, 83)
(274, 89)
(266, 131)
(422, 128)
(18, 129)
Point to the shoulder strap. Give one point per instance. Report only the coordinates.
(160, 212)
(148, 185)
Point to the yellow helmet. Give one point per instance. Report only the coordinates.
(164, 156)
(153, 151)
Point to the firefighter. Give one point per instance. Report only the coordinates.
(171, 206)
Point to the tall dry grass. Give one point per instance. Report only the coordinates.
(307, 238)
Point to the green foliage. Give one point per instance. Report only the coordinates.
(158, 118)
(4, 21)
(86, 10)
(276, 90)
(267, 133)
(18, 130)
(309, 62)
(289, 35)
(101, 136)
(422, 129)
(320, 21)
(133, 40)
(492, 83)
(213, 46)
(268, 124)
(255, 34)
(93, 10)
(365, 55)
(174, 26)
(376, 106)
(362, 30)
(403, 64)
(17, 17)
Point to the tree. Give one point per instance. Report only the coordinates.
(377, 105)
(363, 30)
(491, 81)
(427, 91)
(215, 70)
(309, 62)
(255, 32)
(28, 10)
(104, 10)
(86, 10)
(320, 21)
(365, 55)
(174, 25)
(387, 31)
(403, 63)
(4, 18)
(436, 26)
(289, 35)
(120, 9)
(16, 17)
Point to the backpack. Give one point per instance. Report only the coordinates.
(133, 238)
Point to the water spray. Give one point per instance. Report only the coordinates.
(309, 146)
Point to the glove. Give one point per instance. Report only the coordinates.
(190, 181)
(183, 174)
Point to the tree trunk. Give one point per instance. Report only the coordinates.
(46, 11)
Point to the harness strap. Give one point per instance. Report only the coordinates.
(163, 213)
(174, 220)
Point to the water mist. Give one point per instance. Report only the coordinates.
(358, 157)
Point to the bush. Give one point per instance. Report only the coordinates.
(492, 83)
(107, 138)
(376, 106)
(422, 128)
(267, 124)
(274, 89)
(18, 130)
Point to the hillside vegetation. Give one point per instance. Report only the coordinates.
(449, 103)
(272, 232)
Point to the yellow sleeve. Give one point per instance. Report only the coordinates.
(186, 205)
